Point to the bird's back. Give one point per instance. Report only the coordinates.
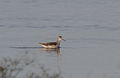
(49, 43)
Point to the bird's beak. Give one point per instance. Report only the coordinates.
(63, 40)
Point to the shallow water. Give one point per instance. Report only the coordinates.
(91, 30)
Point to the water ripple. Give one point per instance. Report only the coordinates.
(25, 47)
(41, 27)
(102, 39)
(60, 26)
(99, 27)
(2, 25)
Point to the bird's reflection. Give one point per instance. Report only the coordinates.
(57, 50)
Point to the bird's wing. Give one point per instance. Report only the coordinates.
(49, 43)
(52, 43)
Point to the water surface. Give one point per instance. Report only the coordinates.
(91, 30)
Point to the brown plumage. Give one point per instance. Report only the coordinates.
(52, 44)
(49, 43)
(1, 68)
